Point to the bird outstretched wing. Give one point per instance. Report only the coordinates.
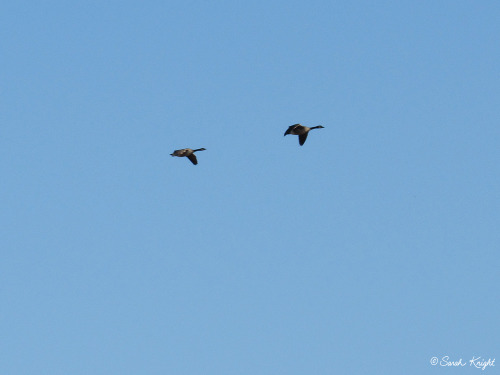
(302, 138)
(192, 157)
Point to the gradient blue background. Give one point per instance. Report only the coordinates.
(370, 249)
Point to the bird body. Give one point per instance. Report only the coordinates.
(301, 131)
(189, 153)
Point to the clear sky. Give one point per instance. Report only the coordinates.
(370, 249)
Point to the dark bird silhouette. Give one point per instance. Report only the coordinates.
(188, 153)
(301, 131)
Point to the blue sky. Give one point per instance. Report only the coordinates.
(371, 249)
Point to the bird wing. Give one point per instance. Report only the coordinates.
(291, 128)
(302, 138)
(192, 157)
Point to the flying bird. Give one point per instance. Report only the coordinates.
(189, 153)
(301, 131)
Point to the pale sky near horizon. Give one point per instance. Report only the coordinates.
(371, 249)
